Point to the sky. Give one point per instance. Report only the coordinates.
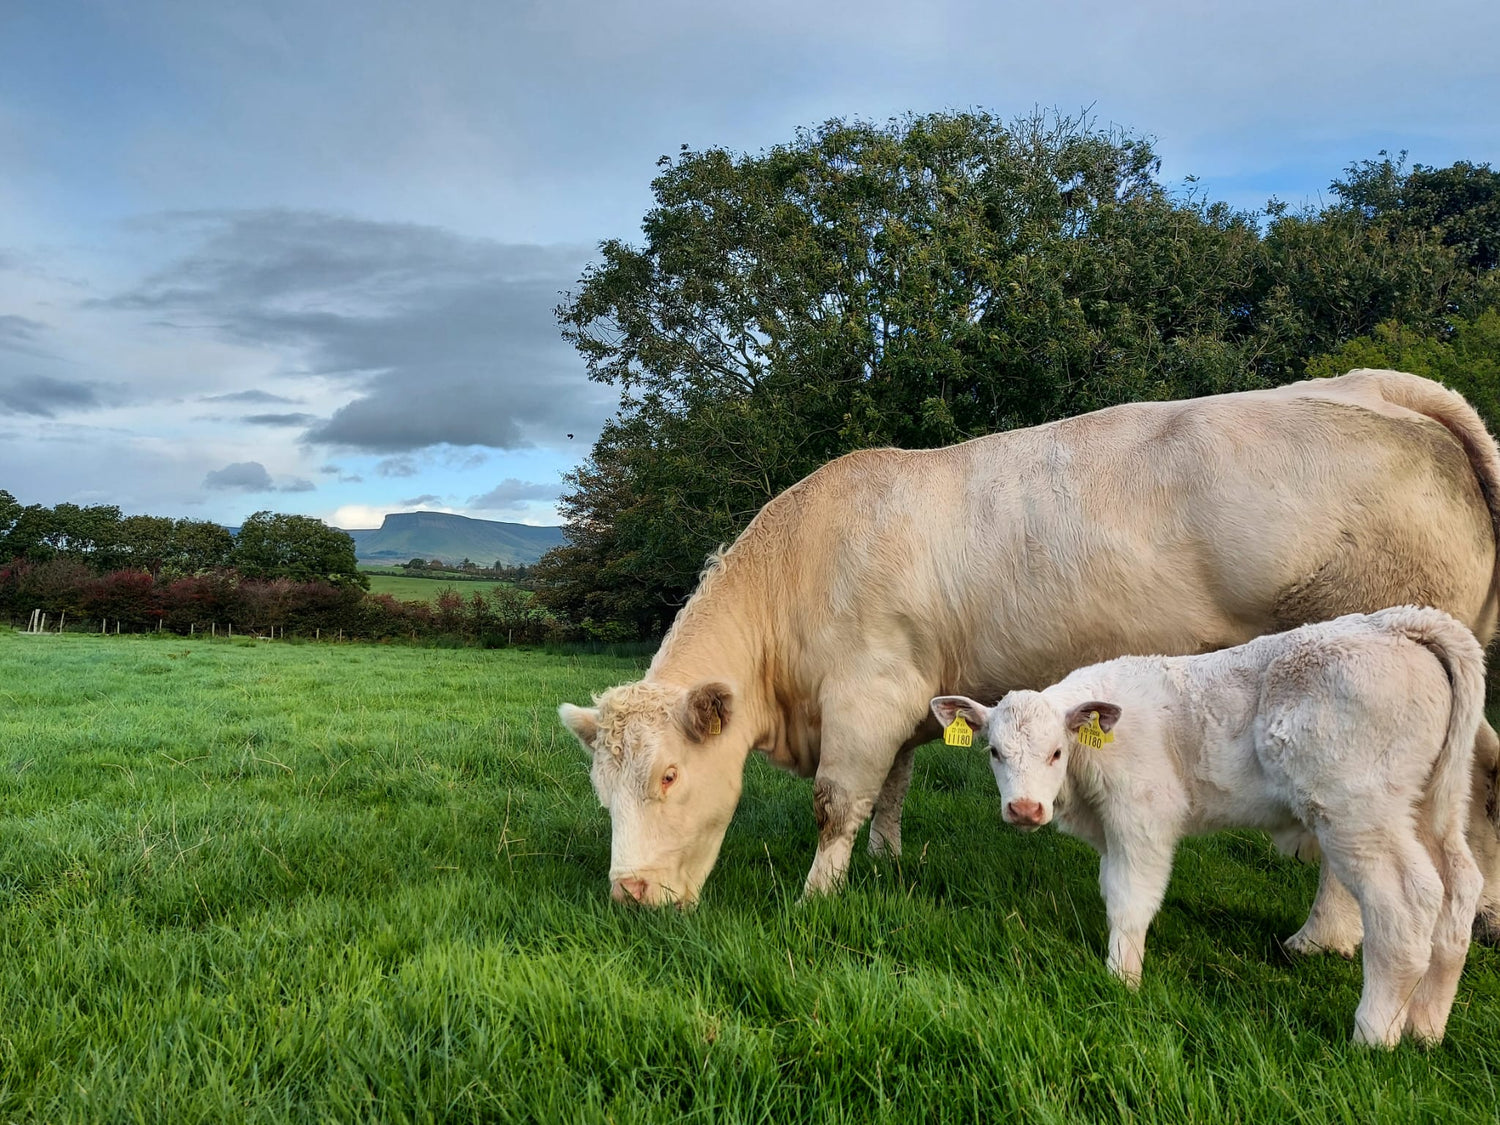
(303, 256)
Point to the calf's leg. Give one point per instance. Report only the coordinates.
(1462, 883)
(1399, 893)
(1133, 879)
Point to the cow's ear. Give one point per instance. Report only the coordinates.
(1080, 716)
(946, 707)
(582, 721)
(705, 711)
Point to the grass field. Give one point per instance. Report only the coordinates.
(427, 589)
(292, 882)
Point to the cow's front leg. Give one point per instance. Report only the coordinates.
(885, 825)
(842, 800)
(1133, 880)
(867, 720)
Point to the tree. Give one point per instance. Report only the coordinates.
(1460, 203)
(276, 545)
(10, 511)
(199, 546)
(938, 278)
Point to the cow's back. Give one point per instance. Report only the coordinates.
(1151, 527)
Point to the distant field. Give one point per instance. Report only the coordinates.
(250, 881)
(426, 589)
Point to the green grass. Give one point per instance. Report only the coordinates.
(293, 882)
(427, 589)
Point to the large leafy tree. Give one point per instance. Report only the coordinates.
(941, 277)
(278, 545)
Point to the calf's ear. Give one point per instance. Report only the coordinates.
(705, 711)
(945, 707)
(582, 721)
(1079, 717)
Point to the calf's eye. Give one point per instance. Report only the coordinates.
(1056, 754)
(667, 778)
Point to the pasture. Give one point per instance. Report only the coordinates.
(408, 589)
(296, 882)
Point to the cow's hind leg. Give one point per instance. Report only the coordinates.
(885, 824)
(1462, 883)
(1399, 895)
(1333, 924)
(1484, 832)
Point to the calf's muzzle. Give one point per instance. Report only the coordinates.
(1025, 814)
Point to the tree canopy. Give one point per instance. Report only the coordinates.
(277, 545)
(940, 277)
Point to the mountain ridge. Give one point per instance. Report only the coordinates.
(451, 539)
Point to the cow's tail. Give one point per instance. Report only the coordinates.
(1453, 411)
(1462, 659)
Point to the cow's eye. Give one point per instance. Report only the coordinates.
(667, 778)
(1056, 754)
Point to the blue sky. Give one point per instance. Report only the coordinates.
(303, 256)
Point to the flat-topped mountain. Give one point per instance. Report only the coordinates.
(450, 538)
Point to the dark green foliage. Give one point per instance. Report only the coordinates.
(937, 278)
(277, 545)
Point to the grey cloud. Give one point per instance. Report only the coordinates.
(43, 396)
(396, 467)
(251, 476)
(419, 501)
(242, 476)
(19, 333)
(352, 478)
(513, 493)
(251, 397)
(330, 470)
(279, 419)
(449, 340)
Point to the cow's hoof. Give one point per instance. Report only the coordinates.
(1304, 945)
(1487, 927)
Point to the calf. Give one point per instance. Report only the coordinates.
(1360, 730)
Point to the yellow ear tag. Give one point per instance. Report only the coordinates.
(958, 732)
(714, 726)
(1094, 736)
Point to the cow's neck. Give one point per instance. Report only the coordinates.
(721, 635)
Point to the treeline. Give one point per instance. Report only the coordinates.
(269, 545)
(90, 568)
(945, 276)
(224, 602)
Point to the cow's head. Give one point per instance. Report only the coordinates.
(660, 769)
(1030, 741)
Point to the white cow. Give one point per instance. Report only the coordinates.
(1359, 729)
(890, 576)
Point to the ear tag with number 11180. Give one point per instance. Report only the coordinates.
(958, 732)
(1093, 735)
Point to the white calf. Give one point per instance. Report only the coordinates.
(1360, 729)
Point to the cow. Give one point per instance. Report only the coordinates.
(890, 576)
(1360, 730)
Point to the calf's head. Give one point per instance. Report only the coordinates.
(1030, 742)
(660, 768)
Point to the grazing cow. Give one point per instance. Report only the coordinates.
(1360, 730)
(890, 576)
